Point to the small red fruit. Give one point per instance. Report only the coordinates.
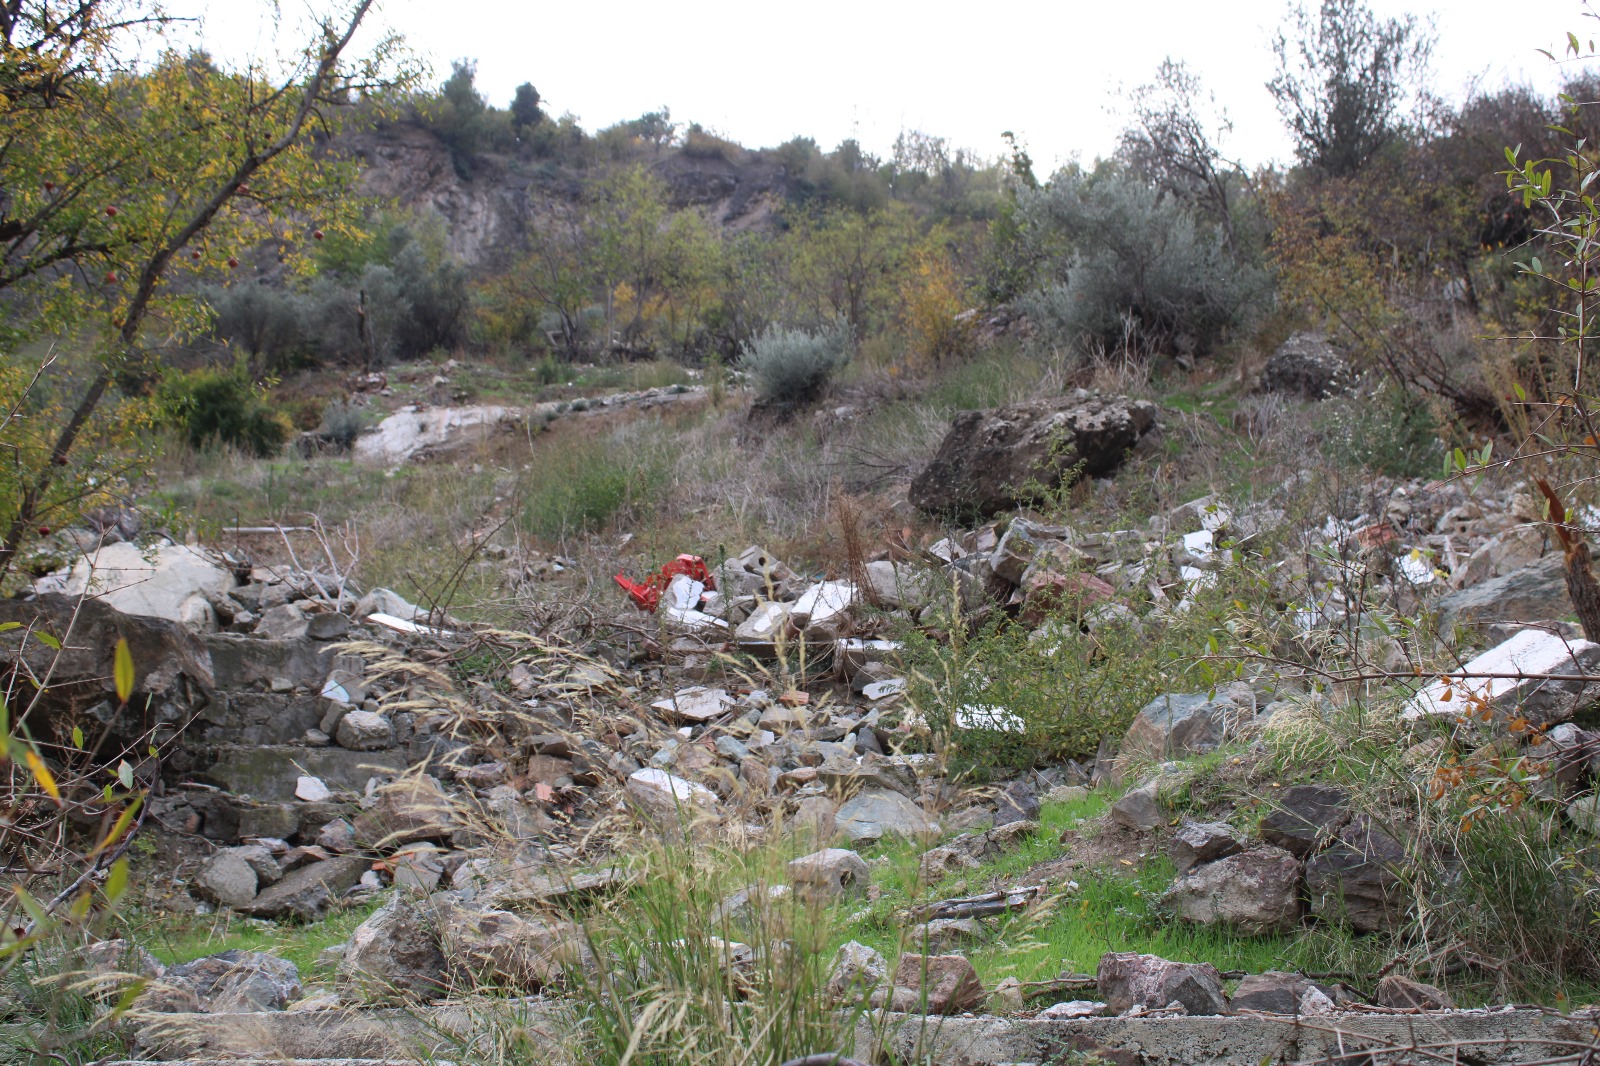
(244, 188)
(194, 255)
(44, 531)
(111, 277)
(111, 211)
(316, 235)
(232, 262)
(49, 186)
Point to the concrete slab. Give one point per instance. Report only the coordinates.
(1528, 653)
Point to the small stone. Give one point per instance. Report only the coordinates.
(337, 836)
(312, 790)
(1006, 998)
(1128, 978)
(857, 972)
(829, 874)
(364, 731)
(1395, 990)
(1017, 803)
(1077, 1008)
(938, 984)
(1200, 842)
(1139, 809)
(227, 878)
(328, 626)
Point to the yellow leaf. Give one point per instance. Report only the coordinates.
(122, 671)
(42, 774)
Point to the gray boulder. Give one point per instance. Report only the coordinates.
(1176, 725)
(1397, 990)
(1307, 365)
(1306, 817)
(364, 731)
(1126, 978)
(394, 957)
(995, 460)
(1358, 879)
(1255, 892)
(238, 982)
(1201, 842)
(829, 874)
(1533, 593)
(308, 892)
(1275, 992)
(872, 814)
(227, 878)
(857, 972)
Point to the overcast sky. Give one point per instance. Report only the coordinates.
(762, 73)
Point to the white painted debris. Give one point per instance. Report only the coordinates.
(170, 581)
(332, 690)
(697, 704)
(665, 797)
(691, 619)
(411, 430)
(882, 689)
(683, 592)
(401, 625)
(822, 601)
(312, 790)
(1415, 568)
(1530, 652)
(984, 716)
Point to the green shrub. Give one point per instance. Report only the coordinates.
(218, 405)
(341, 424)
(1128, 269)
(792, 368)
(1385, 429)
(582, 487)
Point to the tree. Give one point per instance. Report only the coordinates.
(525, 113)
(844, 263)
(1343, 79)
(118, 181)
(1174, 143)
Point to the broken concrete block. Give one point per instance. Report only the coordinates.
(1519, 689)
(693, 706)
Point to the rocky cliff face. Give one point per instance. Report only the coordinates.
(488, 201)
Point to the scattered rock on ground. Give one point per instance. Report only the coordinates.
(1125, 979)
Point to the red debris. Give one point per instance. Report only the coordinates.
(646, 595)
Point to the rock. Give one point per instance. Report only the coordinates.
(1357, 879)
(1529, 652)
(173, 666)
(284, 622)
(169, 581)
(328, 626)
(937, 984)
(994, 460)
(312, 789)
(822, 611)
(899, 585)
(419, 871)
(239, 982)
(1200, 842)
(765, 631)
(1171, 727)
(263, 861)
(746, 907)
(337, 836)
(364, 731)
(1255, 892)
(496, 948)
(394, 957)
(1077, 1008)
(1307, 365)
(1125, 979)
(829, 874)
(1395, 990)
(1275, 992)
(1023, 541)
(308, 893)
(1519, 546)
(1017, 802)
(695, 706)
(943, 934)
(1533, 593)
(387, 601)
(971, 850)
(1006, 998)
(1306, 817)
(872, 814)
(414, 431)
(1139, 808)
(857, 972)
(227, 878)
(669, 799)
(412, 809)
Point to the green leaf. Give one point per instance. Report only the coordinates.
(6, 627)
(1538, 267)
(47, 640)
(117, 880)
(77, 737)
(1520, 393)
(122, 671)
(125, 774)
